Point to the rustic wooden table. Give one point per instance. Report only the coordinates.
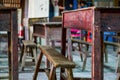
(8, 23)
(97, 20)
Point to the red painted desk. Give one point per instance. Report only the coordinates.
(97, 20)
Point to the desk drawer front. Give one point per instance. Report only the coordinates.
(55, 33)
(39, 30)
(4, 21)
(110, 21)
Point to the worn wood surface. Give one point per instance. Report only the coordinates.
(57, 60)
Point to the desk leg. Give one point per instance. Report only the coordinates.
(97, 54)
(63, 49)
(9, 55)
(35, 39)
(69, 55)
(47, 63)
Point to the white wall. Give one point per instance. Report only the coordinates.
(38, 8)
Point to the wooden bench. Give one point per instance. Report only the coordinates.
(118, 56)
(57, 60)
(114, 44)
(87, 44)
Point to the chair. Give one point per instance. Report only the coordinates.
(28, 47)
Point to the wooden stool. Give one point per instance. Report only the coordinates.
(28, 47)
(57, 60)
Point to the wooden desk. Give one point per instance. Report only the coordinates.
(48, 30)
(8, 22)
(97, 20)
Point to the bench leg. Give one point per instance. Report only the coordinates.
(23, 59)
(35, 55)
(106, 53)
(69, 73)
(32, 53)
(52, 75)
(84, 62)
(85, 57)
(79, 46)
(37, 66)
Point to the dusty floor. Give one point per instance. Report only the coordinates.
(109, 68)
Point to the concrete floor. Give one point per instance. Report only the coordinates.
(109, 68)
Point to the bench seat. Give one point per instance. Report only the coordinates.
(57, 60)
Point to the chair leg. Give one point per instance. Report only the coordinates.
(69, 74)
(106, 53)
(79, 46)
(37, 66)
(52, 75)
